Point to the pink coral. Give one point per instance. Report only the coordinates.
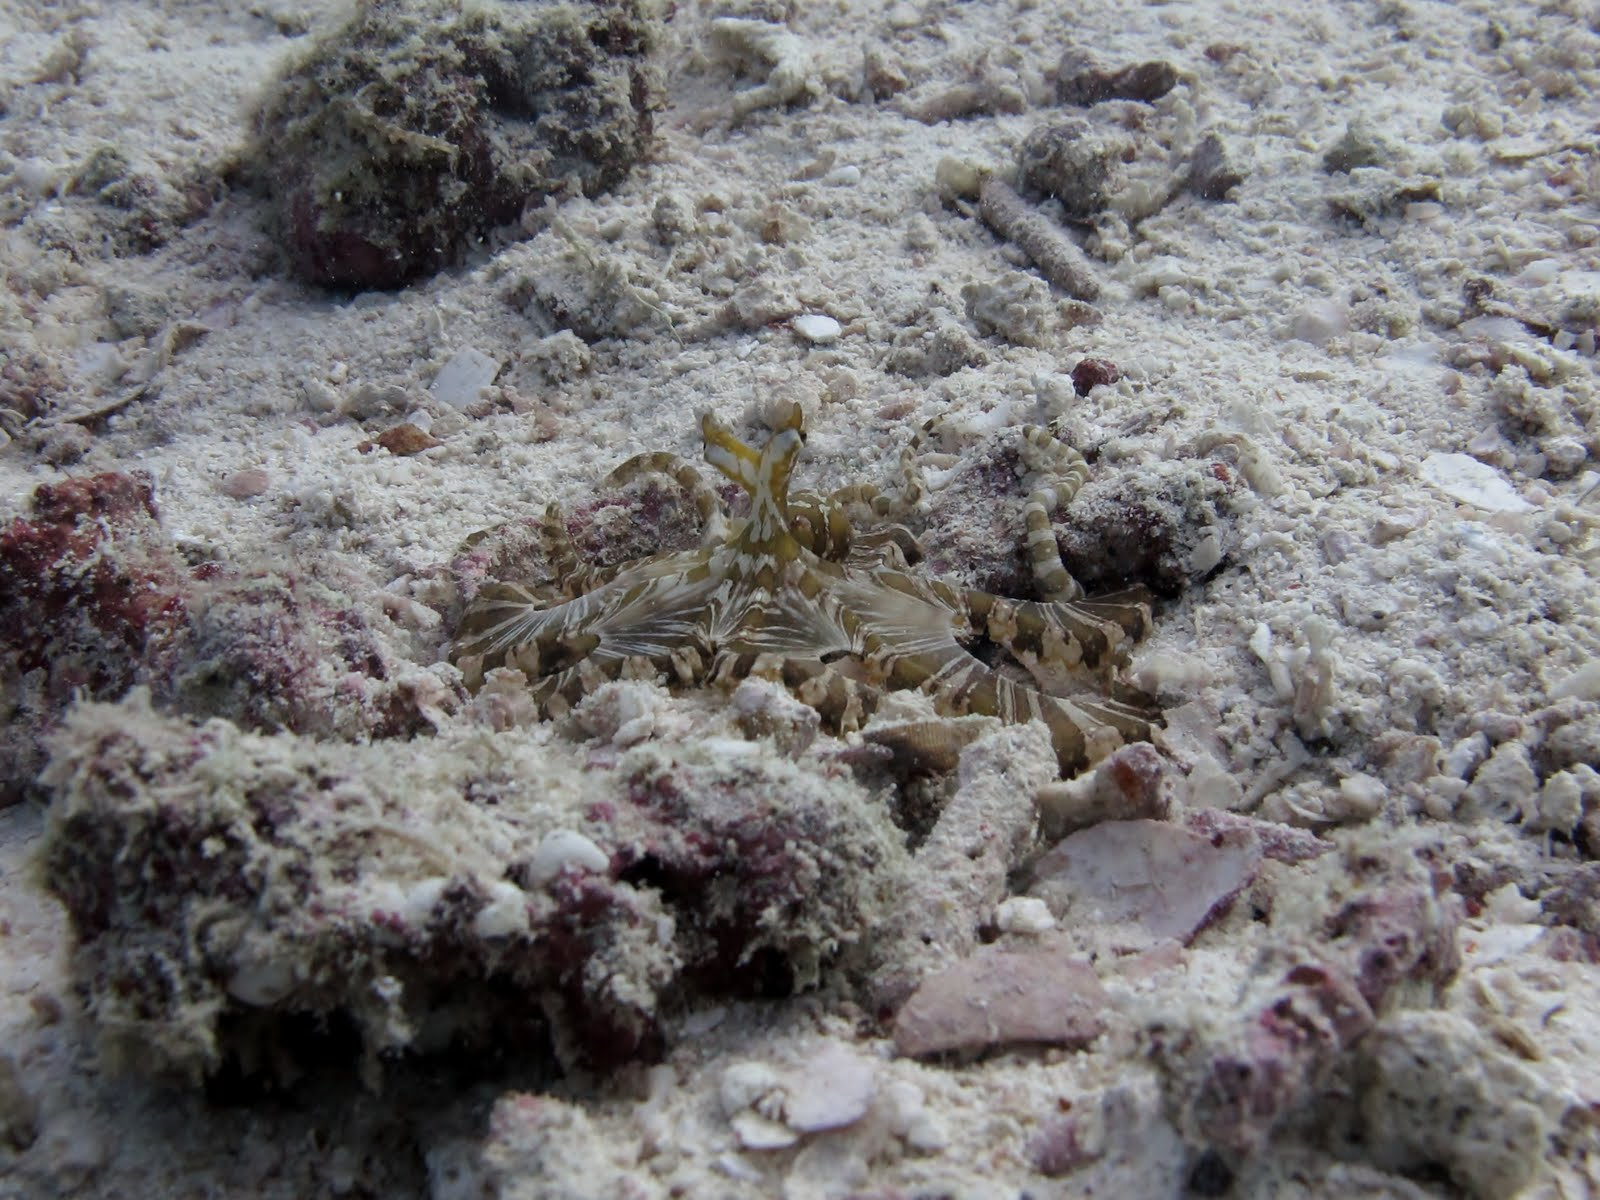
(87, 589)
(1315, 996)
(97, 600)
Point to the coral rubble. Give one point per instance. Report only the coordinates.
(416, 126)
(98, 600)
(226, 888)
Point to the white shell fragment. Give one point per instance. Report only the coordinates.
(263, 981)
(833, 1089)
(1468, 481)
(769, 1108)
(561, 847)
(756, 1132)
(817, 328)
(461, 379)
(746, 1085)
(420, 899)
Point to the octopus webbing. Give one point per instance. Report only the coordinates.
(791, 593)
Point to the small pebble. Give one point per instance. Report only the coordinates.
(756, 1132)
(19, 1112)
(402, 441)
(1211, 175)
(1083, 83)
(817, 329)
(1023, 914)
(1395, 525)
(1142, 881)
(1582, 684)
(261, 983)
(1361, 796)
(833, 1088)
(1540, 272)
(904, 16)
(1319, 322)
(416, 903)
(61, 444)
(246, 484)
(505, 913)
(746, 1084)
(1091, 373)
(1000, 997)
(561, 847)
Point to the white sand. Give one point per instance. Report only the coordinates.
(1377, 587)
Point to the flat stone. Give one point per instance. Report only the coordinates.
(832, 1089)
(461, 380)
(1468, 481)
(1003, 997)
(817, 328)
(1145, 880)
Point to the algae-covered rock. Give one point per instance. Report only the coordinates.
(494, 895)
(393, 141)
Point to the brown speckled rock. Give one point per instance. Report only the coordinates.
(1003, 997)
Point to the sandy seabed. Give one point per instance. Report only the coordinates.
(1339, 289)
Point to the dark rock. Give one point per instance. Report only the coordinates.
(416, 127)
(1211, 176)
(1091, 373)
(1081, 82)
(1065, 160)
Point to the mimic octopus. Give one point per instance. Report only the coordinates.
(791, 593)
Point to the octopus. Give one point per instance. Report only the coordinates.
(791, 593)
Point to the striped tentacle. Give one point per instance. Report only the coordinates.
(1130, 608)
(823, 526)
(890, 544)
(912, 635)
(863, 495)
(555, 695)
(913, 482)
(820, 525)
(843, 703)
(713, 521)
(1062, 634)
(648, 611)
(1081, 731)
(892, 548)
(574, 576)
(1064, 471)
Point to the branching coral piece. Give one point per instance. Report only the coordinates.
(780, 53)
(788, 593)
